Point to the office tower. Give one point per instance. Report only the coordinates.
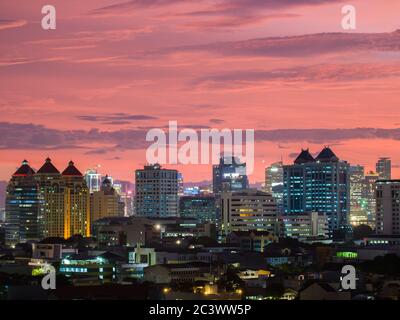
(201, 208)
(66, 207)
(229, 175)
(78, 210)
(52, 188)
(356, 175)
(23, 203)
(369, 197)
(181, 191)
(388, 207)
(105, 202)
(156, 192)
(248, 210)
(318, 185)
(126, 193)
(358, 212)
(274, 182)
(93, 180)
(384, 168)
(2, 214)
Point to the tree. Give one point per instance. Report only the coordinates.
(275, 290)
(361, 231)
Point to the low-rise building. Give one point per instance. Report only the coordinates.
(130, 231)
(304, 226)
(179, 273)
(83, 266)
(318, 290)
(252, 240)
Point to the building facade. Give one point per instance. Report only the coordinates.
(93, 180)
(201, 208)
(23, 202)
(318, 185)
(248, 210)
(388, 207)
(369, 197)
(229, 175)
(156, 192)
(106, 202)
(358, 204)
(66, 202)
(304, 226)
(384, 168)
(274, 182)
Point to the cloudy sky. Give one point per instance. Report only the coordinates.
(113, 69)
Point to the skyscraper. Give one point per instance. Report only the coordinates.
(384, 168)
(358, 212)
(388, 207)
(181, 191)
(318, 185)
(66, 202)
(105, 202)
(22, 207)
(93, 180)
(156, 192)
(274, 182)
(229, 175)
(78, 196)
(369, 196)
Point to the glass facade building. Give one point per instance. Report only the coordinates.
(229, 175)
(318, 185)
(201, 208)
(23, 204)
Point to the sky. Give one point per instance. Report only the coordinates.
(114, 69)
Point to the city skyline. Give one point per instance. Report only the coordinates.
(112, 70)
(103, 172)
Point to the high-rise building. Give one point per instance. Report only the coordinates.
(52, 188)
(201, 208)
(78, 210)
(356, 175)
(93, 180)
(106, 202)
(66, 202)
(2, 214)
(229, 175)
(125, 189)
(388, 207)
(369, 197)
(384, 168)
(248, 210)
(156, 193)
(274, 182)
(358, 204)
(23, 203)
(181, 189)
(318, 185)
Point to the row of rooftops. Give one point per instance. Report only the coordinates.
(47, 168)
(326, 155)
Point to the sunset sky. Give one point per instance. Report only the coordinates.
(113, 69)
